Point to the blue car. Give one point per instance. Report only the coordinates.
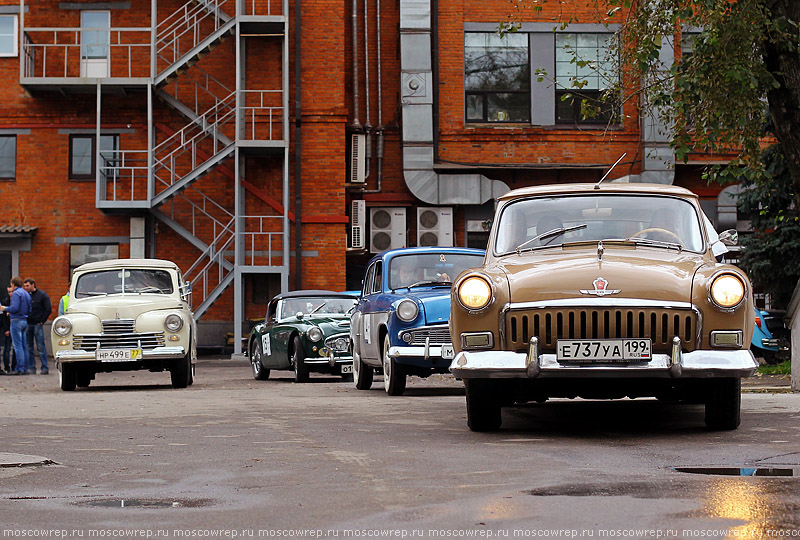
(399, 324)
(764, 344)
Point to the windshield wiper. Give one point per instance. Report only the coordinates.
(96, 293)
(553, 233)
(654, 243)
(319, 307)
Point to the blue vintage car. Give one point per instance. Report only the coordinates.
(764, 344)
(399, 324)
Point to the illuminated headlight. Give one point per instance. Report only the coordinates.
(314, 333)
(407, 310)
(727, 291)
(474, 293)
(62, 326)
(173, 322)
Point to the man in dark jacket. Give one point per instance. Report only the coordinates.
(19, 308)
(9, 362)
(40, 312)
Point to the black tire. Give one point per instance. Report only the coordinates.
(394, 375)
(83, 378)
(259, 373)
(771, 357)
(180, 371)
(483, 405)
(723, 404)
(67, 377)
(191, 375)
(362, 373)
(298, 361)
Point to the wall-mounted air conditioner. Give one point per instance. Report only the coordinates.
(435, 226)
(387, 229)
(358, 218)
(358, 161)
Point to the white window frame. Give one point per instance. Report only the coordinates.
(15, 40)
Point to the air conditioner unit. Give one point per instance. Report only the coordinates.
(358, 217)
(358, 162)
(435, 226)
(387, 229)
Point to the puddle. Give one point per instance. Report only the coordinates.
(741, 471)
(145, 503)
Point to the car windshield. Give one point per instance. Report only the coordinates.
(657, 221)
(119, 281)
(429, 268)
(317, 305)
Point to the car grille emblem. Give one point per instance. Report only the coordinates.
(600, 288)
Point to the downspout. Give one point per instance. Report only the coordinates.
(356, 96)
(379, 130)
(367, 124)
(298, 153)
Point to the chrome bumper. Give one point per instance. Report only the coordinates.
(159, 353)
(506, 364)
(329, 360)
(424, 352)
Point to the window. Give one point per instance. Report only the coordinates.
(84, 253)
(8, 35)
(82, 164)
(8, 157)
(497, 77)
(584, 71)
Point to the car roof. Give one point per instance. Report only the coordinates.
(126, 263)
(388, 254)
(312, 294)
(636, 188)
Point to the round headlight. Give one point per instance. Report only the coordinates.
(475, 293)
(727, 290)
(62, 326)
(407, 310)
(314, 333)
(173, 322)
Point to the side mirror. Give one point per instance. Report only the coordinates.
(729, 237)
(299, 315)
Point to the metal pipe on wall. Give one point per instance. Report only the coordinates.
(380, 128)
(298, 152)
(356, 95)
(367, 124)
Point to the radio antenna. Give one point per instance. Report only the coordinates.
(597, 185)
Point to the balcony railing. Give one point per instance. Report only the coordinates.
(262, 114)
(261, 8)
(59, 52)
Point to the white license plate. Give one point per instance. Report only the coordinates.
(347, 368)
(603, 350)
(118, 355)
(447, 352)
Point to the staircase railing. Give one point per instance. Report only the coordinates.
(198, 90)
(189, 26)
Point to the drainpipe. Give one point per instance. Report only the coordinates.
(380, 128)
(356, 95)
(367, 124)
(298, 121)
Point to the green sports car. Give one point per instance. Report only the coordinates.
(304, 331)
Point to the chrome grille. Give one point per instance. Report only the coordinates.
(438, 336)
(144, 340)
(550, 325)
(118, 326)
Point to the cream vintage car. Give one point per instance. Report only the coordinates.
(602, 291)
(125, 314)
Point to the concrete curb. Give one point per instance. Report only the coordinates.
(21, 460)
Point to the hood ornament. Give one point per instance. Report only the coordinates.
(600, 250)
(600, 288)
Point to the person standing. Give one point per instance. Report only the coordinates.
(5, 337)
(40, 312)
(18, 309)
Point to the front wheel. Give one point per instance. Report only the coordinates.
(298, 361)
(180, 371)
(67, 377)
(84, 378)
(259, 373)
(483, 405)
(723, 404)
(362, 373)
(394, 376)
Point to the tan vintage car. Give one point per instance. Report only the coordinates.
(602, 291)
(123, 315)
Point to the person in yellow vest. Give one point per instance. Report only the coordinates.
(63, 304)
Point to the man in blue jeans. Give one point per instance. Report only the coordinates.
(18, 310)
(40, 312)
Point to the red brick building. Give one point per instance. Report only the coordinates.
(232, 135)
